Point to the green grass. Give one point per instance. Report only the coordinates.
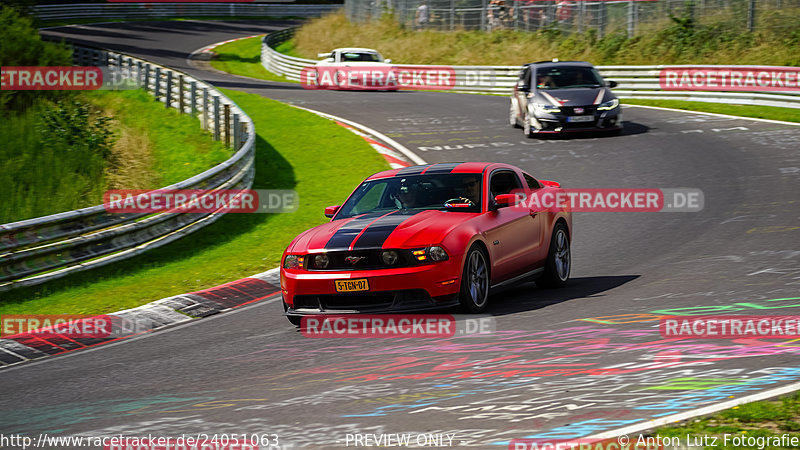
(759, 112)
(180, 147)
(42, 179)
(711, 40)
(757, 419)
(323, 164)
(243, 57)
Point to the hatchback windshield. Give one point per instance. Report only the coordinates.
(446, 192)
(567, 77)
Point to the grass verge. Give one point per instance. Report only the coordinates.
(767, 420)
(682, 40)
(153, 147)
(237, 245)
(243, 57)
(758, 112)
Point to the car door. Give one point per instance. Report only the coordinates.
(511, 233)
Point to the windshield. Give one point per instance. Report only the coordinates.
(354, 56)
(446, 192)
(567, 77)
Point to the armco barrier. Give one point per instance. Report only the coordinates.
(168, 10)
(633, 81)
(44, 248)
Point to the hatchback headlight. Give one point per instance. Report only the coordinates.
(609, 105)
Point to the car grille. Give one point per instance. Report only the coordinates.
(360, 260)
(570, 110)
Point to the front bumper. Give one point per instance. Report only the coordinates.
(561, 123)
(429, 286)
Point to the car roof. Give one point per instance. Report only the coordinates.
(439, 168)
(545, 64)
(354, 50)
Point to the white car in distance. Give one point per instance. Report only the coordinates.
(355, 68)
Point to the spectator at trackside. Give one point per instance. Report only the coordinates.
(423, 16)
(563, 11)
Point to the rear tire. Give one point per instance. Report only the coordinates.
(559, 260)
(474, 293)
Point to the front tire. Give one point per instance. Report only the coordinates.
(474, 293)
(512, 116)
(527, 130)
(559, 260)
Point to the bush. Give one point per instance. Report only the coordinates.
(22, 46)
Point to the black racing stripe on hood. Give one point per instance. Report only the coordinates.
(413, 170)
(345, 235)
(378, 232)
(442, 168)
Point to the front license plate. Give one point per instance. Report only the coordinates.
(360, 284)
(580, 119)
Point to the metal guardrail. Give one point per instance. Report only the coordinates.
(41, 249)
(642, 82)
(167, 10)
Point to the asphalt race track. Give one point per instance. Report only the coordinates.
(561, 364)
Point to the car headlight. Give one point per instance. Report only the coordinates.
(390, 258)
(543, 108)
(437, 253)
(293, 262)
(611, 104)
(321, 261)
(434, 253)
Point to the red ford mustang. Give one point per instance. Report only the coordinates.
(427, 237)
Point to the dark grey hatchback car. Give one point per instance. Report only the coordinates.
(563, 96)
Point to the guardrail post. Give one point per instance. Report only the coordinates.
(751, 16)
(237, 136)
(157, 83)
(139, 73)
(227, 125)
(193, 94)
(205, 108)
(180, 93)
(168, 96)
(216, 118)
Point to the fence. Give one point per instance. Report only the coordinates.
(168, 10)
(37, 250)
(633, 81)
(570, 15)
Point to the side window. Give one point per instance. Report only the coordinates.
(503, 183)
(531, 182)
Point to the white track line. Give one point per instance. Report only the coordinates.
(396, 145)
(713, 114)
(643, 426)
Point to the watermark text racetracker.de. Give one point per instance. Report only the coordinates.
(180, 201)
(394, 77)
(63, 78)
(396, 326)
(200, 441)
(613, 200)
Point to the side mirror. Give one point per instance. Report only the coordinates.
(330, 211)
(330, 60)
(504, 200)
(612, 84)
(548, 183)
(387, 61)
